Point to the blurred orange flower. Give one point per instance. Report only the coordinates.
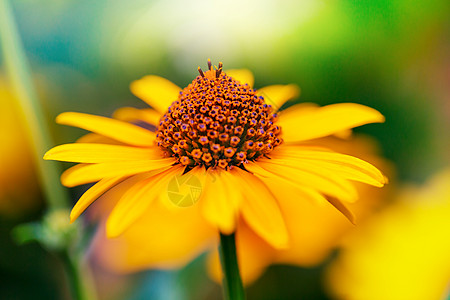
(16, 166)
(403, 252)
(242, 162)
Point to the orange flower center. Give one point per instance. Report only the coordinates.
(217, 121)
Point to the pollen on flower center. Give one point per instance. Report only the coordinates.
(217, 121)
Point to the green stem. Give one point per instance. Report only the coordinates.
(78, 284)
(37, 129)
(232, 282)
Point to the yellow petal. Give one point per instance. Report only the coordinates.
(257, 170)
(315, 168)
(344, 134)
(296, 191)
(268, 177)
(136, 200)
(93, 194)
(100, 153)
(343, 209)
(298, 110)
(314, 230)
(347, 166)
(326, 121)
(162, 238)
(328, 184)
(118, 130)
(103, 206)
(69, 171)
(277, 95)
(218, 202)
(86, 173)
(230, 182)
(184, 190)
(242, 75)
(158, 92)
(339, 178)
(260, 209)
(307, 107)
(131, 114)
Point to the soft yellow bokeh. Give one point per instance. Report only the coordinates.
(403, 253)
(18, 186)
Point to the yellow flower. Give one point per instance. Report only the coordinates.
(252, 164)
(402, 253)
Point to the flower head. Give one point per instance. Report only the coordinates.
(218, 122)
(228, 135)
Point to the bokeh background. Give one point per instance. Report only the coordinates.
(391, 55)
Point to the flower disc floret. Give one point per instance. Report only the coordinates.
(217, 121)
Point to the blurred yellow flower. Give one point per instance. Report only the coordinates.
(402, 253)
(16, 166)
(249, 162)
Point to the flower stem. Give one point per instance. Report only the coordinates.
(232, 282)
(78, 287)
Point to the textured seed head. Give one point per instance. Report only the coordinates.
(217, 121)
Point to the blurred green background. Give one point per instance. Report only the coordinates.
(391, 55)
